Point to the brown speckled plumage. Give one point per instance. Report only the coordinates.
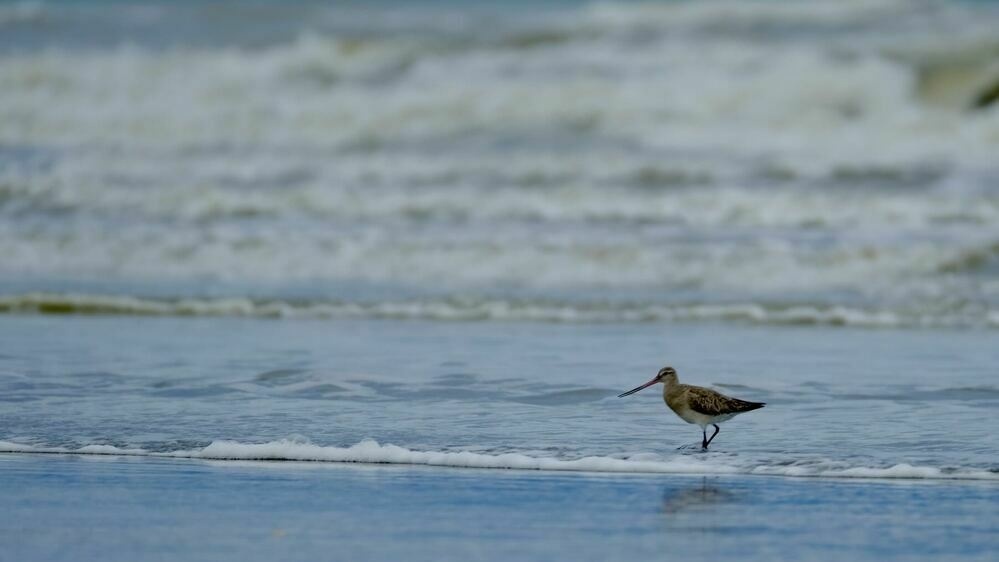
(711, 403)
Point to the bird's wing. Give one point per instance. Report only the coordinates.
(711, 403)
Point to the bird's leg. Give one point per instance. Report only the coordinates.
(704, 439)
(717, 429)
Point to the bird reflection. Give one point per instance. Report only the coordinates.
(705, 493)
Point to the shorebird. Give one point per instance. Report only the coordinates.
(697, 405)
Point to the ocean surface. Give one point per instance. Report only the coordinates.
(443, 236)
(252, 511)
(840, 402)
(800, 162)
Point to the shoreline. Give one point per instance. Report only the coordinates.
(117, 508)
(514, 462)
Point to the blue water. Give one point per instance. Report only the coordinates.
(838, 399)
(441, 237)
(119, 509)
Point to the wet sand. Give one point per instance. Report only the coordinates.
(65, 507)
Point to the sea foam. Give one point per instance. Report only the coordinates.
(541, 153)
(370, 451)
(484, 309)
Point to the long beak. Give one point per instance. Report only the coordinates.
(634, 390)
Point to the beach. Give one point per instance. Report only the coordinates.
(364, 280)
(119, 508)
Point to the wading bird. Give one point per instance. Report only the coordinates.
(697, 405)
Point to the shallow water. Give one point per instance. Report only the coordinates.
(73, 508)
(840, 401)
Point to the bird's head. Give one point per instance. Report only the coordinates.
(665, 375)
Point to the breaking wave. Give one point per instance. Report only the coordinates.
(751, 152)
(474, 309)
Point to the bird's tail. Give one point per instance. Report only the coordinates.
(745, 406)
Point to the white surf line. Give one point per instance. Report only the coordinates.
(371, 452)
